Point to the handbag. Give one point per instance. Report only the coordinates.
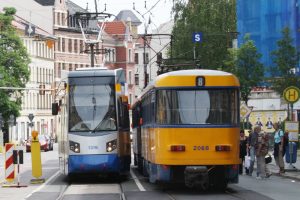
(268, 158)
(247, 161)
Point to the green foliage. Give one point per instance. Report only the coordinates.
(216, 19)
(244, 63)
(14, 63)
(285, 59)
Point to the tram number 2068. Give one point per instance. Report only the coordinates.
(200, 148)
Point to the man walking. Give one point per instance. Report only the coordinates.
(252, 142)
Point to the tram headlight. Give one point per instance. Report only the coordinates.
(74, 146)
(111, 145)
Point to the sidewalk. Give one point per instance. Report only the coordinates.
(291, 174)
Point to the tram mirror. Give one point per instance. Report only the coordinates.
(55, 108)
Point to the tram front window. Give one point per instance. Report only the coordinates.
(92, 108)
(210, 107)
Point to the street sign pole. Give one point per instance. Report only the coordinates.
(291, 95)
(197, 38)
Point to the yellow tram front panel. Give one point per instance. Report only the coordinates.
(200, 146)
(190, 81)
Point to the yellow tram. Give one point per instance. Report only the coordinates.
(186, 128)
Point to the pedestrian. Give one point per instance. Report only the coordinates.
(252, 142)
(243, 150)
(279, 147)
(261, 150)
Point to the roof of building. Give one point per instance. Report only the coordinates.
(45, 2)
(73, 8)
(115, 28)
(126, 15)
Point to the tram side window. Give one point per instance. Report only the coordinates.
(123, 115)
(148, 109)
(136, 116)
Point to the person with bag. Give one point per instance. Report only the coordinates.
(252, 142)
(243, 150)
(279, 147)
(261, 151)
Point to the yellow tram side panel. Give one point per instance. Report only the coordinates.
(156, 144)
(190, 81)
(124, 146)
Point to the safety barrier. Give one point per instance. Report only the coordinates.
(9, 164)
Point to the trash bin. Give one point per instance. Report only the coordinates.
(292, 147)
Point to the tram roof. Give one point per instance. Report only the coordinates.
(187, 78)
(182, 78)
(197, 72)
(89, 72)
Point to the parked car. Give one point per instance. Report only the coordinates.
(46, 143)
(50, 141)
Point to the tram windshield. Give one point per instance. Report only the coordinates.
(211, 107)
(92, 106)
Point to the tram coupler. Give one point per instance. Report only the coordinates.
(196, 176)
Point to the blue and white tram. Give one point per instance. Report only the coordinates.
(95, 132)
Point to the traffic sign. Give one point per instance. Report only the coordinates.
(197, 37)
(291, 94)
(244, 111)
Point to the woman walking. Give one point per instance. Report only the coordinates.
(279, 147)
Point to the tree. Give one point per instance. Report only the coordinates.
(244, 63)
(216, 19)
(285, 60)
(14, 63)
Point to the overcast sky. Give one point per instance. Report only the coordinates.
(160, 13)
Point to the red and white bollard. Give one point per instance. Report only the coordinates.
(9, 164)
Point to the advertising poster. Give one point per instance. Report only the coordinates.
(266, 119)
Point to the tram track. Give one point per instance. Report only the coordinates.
(92, 189)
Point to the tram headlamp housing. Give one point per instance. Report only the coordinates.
(111, 145)
(74, 146)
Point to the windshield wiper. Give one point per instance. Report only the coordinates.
(110, 120)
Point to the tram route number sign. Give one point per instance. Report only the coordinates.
(244, 111)
(291, 94)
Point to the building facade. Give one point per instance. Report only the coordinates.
(264, 21)
(40, 47)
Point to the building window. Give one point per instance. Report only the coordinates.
(63, 19)
(58, 19)
(130, 99)
(58, 73)
(146, 58)
(81, 46)
(70, 46)
(129, 55)
(63, 45)
(113, 55)
(136, 58)
(75, 46)
(136, 79)
(129, 77)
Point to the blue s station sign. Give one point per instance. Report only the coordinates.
(197, 37)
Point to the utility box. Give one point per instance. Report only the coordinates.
(291, 148)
